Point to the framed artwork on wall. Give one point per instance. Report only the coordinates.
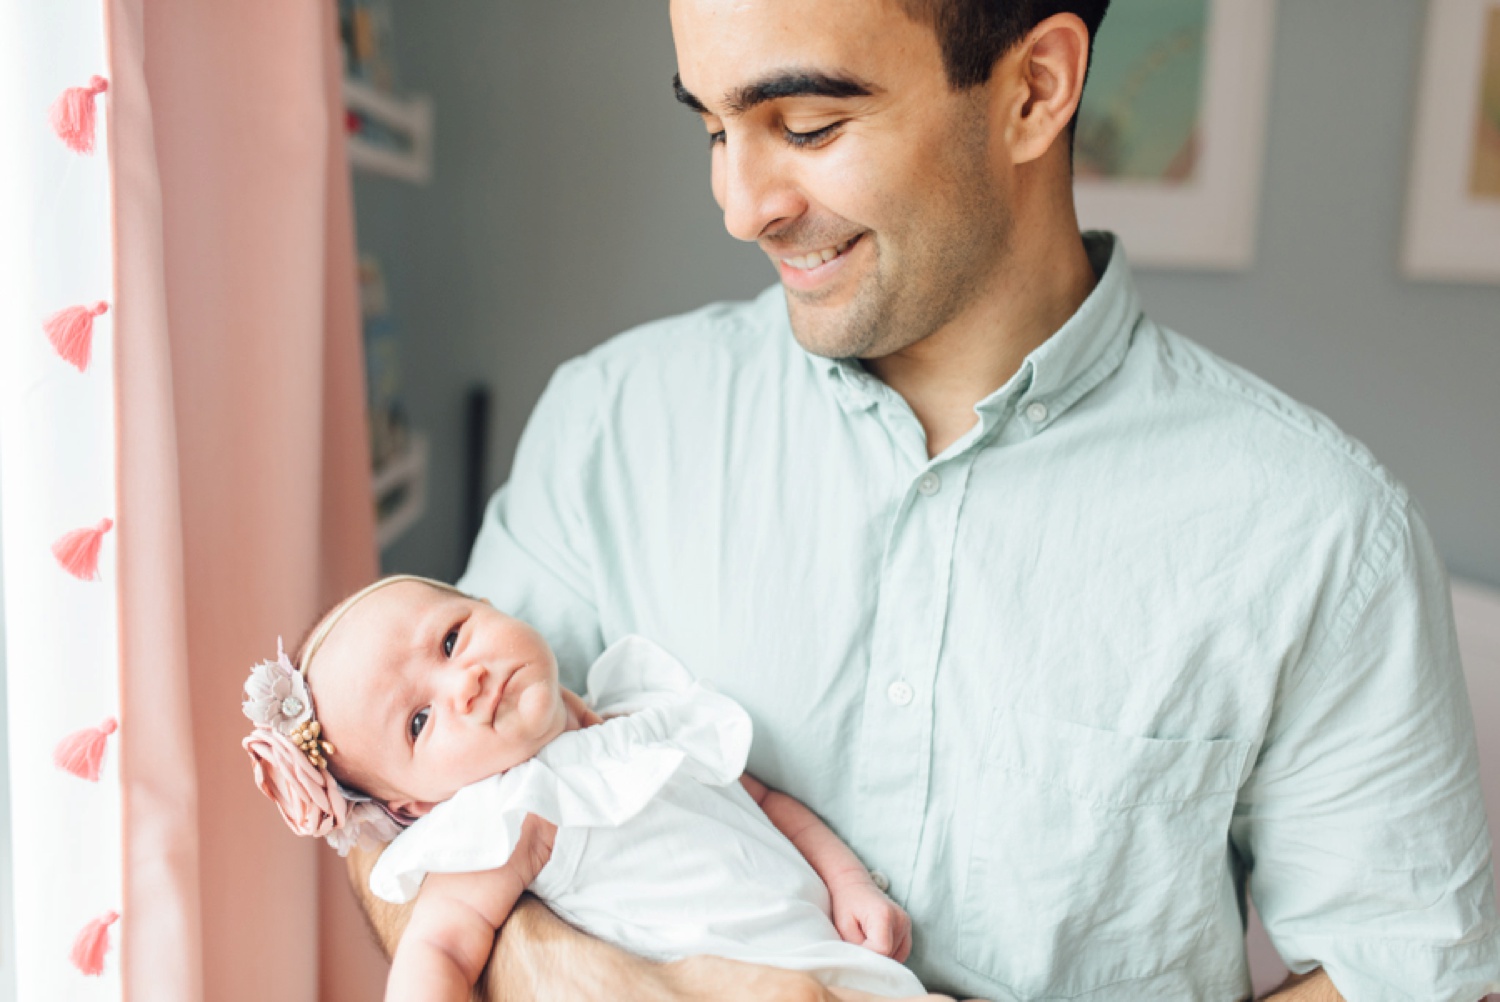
(1453, 206)
(1171, 132)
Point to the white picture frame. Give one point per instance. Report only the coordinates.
(1210, 221)
(1451, 234)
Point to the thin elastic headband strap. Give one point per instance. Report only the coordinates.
(332, 619)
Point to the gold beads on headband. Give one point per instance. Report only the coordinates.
(308, 737)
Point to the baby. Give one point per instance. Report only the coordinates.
(422, 714)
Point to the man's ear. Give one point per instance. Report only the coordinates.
(1042, 79)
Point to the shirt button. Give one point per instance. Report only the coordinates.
(900, 693)
(929, 484)
(881, 880)
(1036, 412)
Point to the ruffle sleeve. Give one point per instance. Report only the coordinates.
(597, 777)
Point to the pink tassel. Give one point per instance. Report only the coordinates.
(73, 115)
(92, 943)
(82, 753)
(78, 551)
(71, 332)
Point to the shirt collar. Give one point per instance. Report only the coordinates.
(1060, 371)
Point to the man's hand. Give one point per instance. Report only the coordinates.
(864, 916)
(700, 979)
(1314, 986)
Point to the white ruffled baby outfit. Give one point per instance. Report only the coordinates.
(659, 849)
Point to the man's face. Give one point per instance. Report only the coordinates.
(423, 692)
(838, 146)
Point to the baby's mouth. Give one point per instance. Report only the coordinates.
(500, 692)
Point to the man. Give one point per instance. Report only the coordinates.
(1070, 629)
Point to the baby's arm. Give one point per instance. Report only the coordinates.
(862, 914)
(452, 929)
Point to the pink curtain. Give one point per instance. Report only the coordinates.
(244, 485)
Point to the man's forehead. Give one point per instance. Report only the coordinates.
(728, 44)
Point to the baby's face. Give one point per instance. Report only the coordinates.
(423, 692)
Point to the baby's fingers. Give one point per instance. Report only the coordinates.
(903, 943)
(849, 928)
(879, 936)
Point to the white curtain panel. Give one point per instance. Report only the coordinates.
(57, 473)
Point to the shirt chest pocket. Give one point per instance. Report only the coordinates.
(1096, 857)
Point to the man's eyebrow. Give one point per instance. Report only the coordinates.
(782, 84)
(685, 96)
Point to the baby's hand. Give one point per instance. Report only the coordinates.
(864, 916)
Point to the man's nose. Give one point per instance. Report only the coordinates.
(754, 187)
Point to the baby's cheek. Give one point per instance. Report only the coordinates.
(539, 705)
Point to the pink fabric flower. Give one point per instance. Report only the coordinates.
(308, 797)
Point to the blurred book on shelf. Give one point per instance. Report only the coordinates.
(389, 432)
(366, 36)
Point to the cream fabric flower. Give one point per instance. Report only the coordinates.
(276, 694)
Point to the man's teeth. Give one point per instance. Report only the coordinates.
(808, 261)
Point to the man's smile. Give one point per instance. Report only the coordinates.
(810, 260)
(808, 270)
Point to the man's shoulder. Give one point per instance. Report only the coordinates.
(1283, 445)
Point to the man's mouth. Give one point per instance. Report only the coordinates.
(814, 259)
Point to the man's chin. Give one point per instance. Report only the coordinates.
(823, 331)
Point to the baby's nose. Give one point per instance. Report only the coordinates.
(468, 687)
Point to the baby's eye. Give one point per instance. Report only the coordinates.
(418, 721)
(450, 640)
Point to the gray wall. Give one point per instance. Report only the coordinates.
(571, 201)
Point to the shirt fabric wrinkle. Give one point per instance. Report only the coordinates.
(1071, 686)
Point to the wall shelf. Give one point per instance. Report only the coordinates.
(408, 119)
(401, 491)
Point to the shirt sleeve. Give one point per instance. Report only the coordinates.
(534, 556)
(1362, 823)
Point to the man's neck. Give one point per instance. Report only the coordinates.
(943, 376)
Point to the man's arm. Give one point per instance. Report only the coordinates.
(538, 956)
(1314, 986)
(447, 941)
(1362, 822)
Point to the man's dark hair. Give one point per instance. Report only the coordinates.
(974, 34)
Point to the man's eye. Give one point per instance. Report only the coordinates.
(817, 137)
(450, 640)
(418, 721)
(716, 138)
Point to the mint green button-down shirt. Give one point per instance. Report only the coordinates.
(1150, 634)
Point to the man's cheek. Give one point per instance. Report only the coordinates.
(716, 176)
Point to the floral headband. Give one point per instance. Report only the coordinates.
(290, 756)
